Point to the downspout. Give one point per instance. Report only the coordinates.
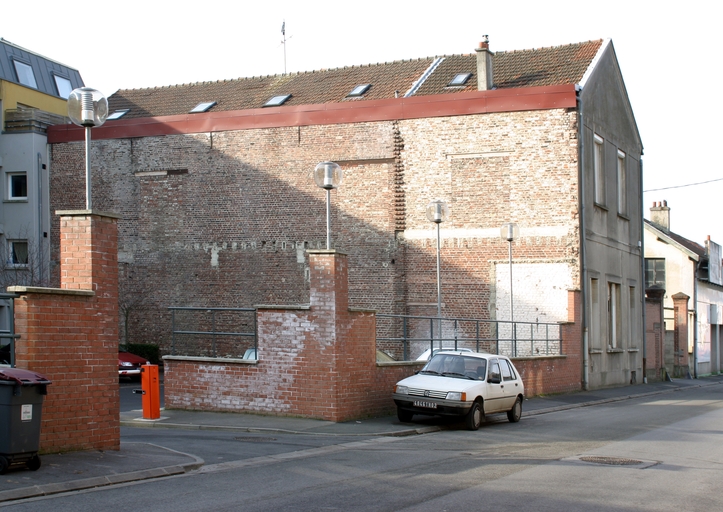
(40, 260)
(642, 275)
(583, 252)
(695, 320)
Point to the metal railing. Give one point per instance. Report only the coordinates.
(214, 332)
(405, 337)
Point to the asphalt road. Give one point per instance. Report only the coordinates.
(657, 453)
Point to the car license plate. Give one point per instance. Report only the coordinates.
(428, 405)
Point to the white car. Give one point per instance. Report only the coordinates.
(424, 356)
(465, 384)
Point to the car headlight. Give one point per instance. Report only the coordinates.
(126, 363)
(402, 390)
(456, 395)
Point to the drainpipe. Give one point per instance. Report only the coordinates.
(39, 263)
(642, 274)
(583, 252)
(695, 320)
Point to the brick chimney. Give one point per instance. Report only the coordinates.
(484, 65)
(660, 215)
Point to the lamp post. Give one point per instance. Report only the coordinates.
(509, 232)
(328, 175)
(438, 212)
(88, 108)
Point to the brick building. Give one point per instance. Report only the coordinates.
(213, 184)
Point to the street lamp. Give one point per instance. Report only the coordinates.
(88, 108)
(328, 175)
(438, 212)
(509, 232)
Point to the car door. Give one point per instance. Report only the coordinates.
(510, 384)
(495, 399)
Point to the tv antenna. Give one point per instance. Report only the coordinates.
(283, 41)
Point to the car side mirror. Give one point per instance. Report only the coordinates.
(494, 379)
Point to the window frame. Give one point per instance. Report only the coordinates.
(598, 164)
(58, 87)
(9, 184)
(615, 316)
(24, 70)
(12, 254)
(622, 179)
(649, 283)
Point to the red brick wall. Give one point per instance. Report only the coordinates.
(543, 375)
(320, 361)
(183, 243)
(70, 335)
(654, 337)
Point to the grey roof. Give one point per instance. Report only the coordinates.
(44, 69)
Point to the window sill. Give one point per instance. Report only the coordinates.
(623, 216)
(16, 200)
(601, 206)
(611, 350)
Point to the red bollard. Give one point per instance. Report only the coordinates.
(151, 392)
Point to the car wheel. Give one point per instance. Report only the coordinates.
(404, 416)
(34, 463)
(474, 417)
(515, 413)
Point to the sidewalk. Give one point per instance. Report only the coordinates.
(141, 461)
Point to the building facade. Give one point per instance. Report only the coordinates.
(33, 96)
(684, 268)
(213, 182)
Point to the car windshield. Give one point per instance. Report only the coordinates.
(452, 365)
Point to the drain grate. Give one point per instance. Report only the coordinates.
(612, 461)
(251, 439)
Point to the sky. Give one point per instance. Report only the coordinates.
(666, 54)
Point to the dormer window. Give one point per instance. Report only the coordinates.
(277, 100)
(63, 85)
(202, 107)
(459, 79)
(118, 114)
(25, 74)
(359, 90)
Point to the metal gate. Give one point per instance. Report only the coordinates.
(7, 329)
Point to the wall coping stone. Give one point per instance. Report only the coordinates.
(537, 358)
(50, 291)
(325, 251)
(224, 360)
(78, 213)
(299, 307)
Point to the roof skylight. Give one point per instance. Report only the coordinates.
(460, 79)
(359, 90)
(63, 85)
(202, 107)
(277, 100)
(25, 74)
(118, 114)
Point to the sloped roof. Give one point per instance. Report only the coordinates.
(43, 69)
(680, 240)
(557, 65)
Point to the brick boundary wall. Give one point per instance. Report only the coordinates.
(557, 374)
(70, 335)
(654, 335)
(319, 361)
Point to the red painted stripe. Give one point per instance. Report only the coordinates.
(441, 105)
